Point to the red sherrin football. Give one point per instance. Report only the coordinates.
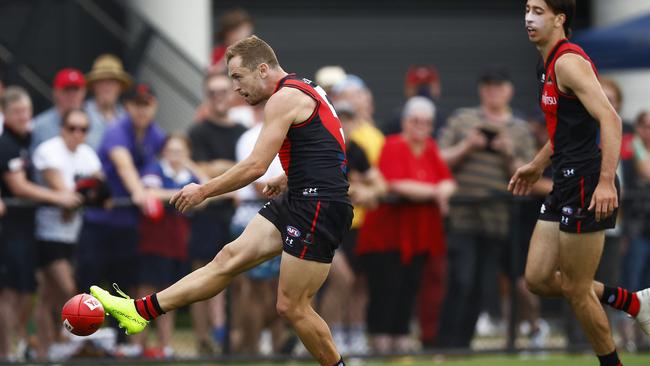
(82, 315)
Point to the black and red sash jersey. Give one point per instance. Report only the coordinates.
(572, 131)
(313, 153)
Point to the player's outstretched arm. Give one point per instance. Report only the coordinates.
(527, 175)
(576, 74)
(279, 113)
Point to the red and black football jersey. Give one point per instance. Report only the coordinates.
(573, 132)
(313, 153)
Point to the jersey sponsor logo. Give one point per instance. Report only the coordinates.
(548, 99)
(564, 220)
(568, 172)
(568, 211)
(543, 78)
(310, 192)
(293, 231)
(92, 304)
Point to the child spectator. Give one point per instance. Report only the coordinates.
(164, 233)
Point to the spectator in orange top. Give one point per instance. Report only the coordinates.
(397, 238)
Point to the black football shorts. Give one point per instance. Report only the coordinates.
(568, 202)
(310, 229)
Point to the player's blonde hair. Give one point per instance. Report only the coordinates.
(253, 52)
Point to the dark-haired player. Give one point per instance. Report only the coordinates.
(567, 243)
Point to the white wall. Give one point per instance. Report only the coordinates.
(607, 12)
(187, 23)
(634, 83)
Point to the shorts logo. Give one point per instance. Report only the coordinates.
(289, 241)
(92, 304)
(311, 192)
(542, 209)
(568, 172)
(293, 231)
(564, 220)
(567, 211)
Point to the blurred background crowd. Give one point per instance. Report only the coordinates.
(436, 255)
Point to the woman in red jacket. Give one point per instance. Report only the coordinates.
(397, 238)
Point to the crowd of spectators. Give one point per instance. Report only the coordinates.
(431, 243)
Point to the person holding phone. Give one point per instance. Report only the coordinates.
(482, 146)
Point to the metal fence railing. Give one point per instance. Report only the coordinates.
(504, 336)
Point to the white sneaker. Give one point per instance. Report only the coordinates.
(643, 317)
(359, 344)
(340, 340)
(539, 338)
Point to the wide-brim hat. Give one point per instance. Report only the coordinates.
(106, 67)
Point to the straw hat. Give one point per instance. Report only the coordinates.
(108, 66)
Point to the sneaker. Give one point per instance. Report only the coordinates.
(208, 348)
(539, 337)
(359, 344)
(340, 341)
(121, 308)
(643, 317)
(128, 350)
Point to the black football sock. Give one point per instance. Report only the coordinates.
(621, 299)
(610, 359)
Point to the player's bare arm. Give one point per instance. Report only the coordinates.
(575, 75)
(527, 175)
(284, 108)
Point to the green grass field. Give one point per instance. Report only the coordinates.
(560, 360)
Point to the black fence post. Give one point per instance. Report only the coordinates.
(514, 244)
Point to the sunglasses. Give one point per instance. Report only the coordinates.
(73, 129)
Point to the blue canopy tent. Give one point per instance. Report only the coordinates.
(620, 46)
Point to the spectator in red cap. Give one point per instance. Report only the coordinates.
(69, 93)
(422, 80)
